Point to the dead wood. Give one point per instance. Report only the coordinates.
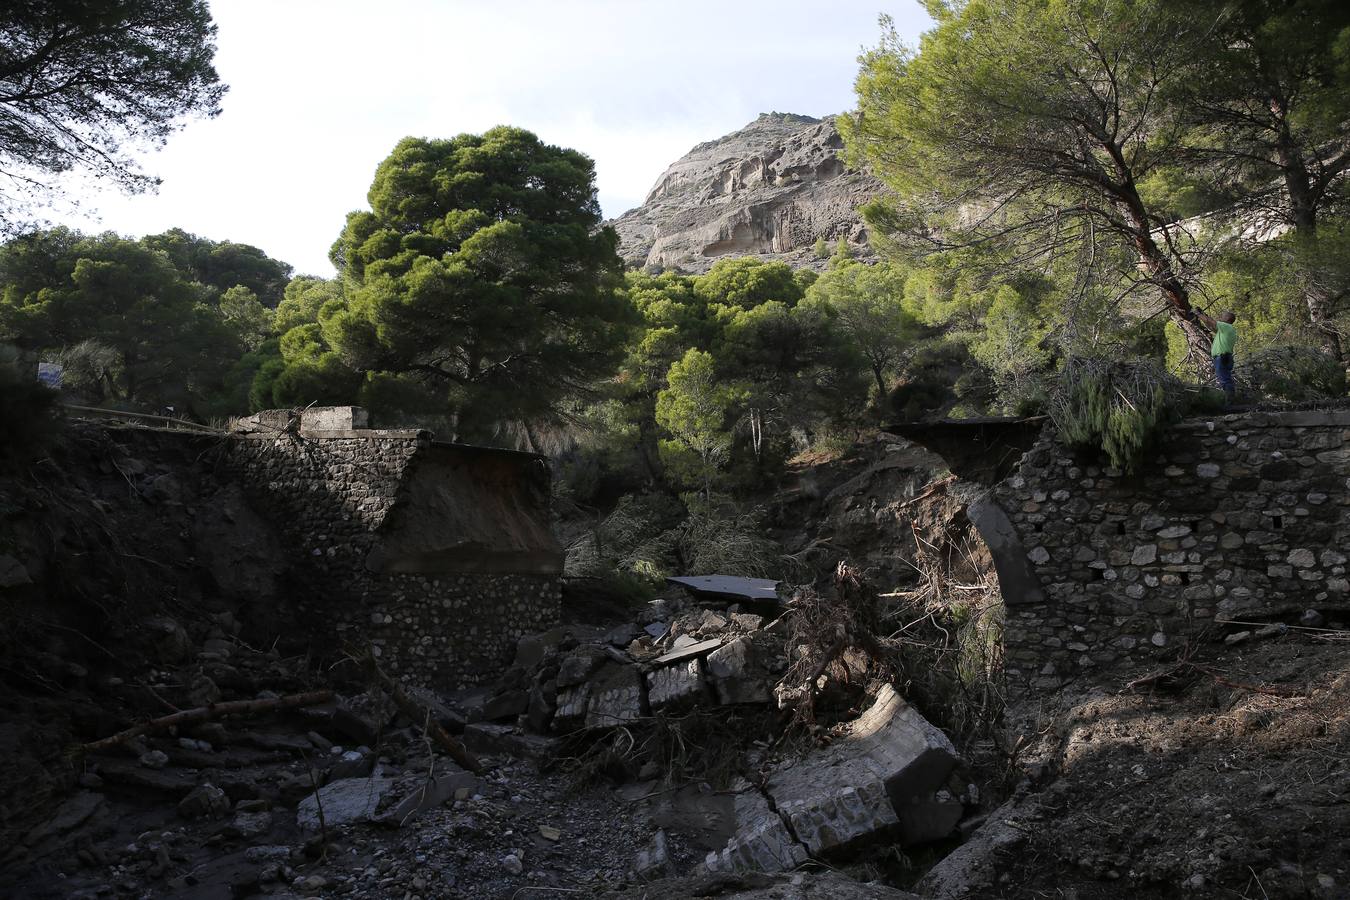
(418, 713)
(1167, 677)
(207, 713)
(823, 629)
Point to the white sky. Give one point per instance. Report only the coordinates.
(321, 90)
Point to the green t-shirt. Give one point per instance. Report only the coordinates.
(1225, 338)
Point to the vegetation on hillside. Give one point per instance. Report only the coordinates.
(1068, 181)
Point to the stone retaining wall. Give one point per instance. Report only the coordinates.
(1241, 517)
(333, 496)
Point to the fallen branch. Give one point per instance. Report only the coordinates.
(933, 488)
(1159, 676)
(207, 713)
(417, 712)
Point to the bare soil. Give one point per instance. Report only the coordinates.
(1226, 779)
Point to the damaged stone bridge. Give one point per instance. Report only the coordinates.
(1235, 519)
(439, 555)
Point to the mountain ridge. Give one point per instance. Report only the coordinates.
(769, 189)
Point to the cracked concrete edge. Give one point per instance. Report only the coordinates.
(972, 867)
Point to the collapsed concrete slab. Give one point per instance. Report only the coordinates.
(616, 697)
(735, 675)
(891, 756)
(674, 687)
(886, 773)
(762, 842)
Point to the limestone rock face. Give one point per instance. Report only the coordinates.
(768, 190)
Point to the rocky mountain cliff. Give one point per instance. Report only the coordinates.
(769, 190)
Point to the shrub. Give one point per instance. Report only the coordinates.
(718, 537)
(1297, 374)
(1118, 407)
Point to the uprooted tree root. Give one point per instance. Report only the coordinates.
(833, 641)
(711, 746)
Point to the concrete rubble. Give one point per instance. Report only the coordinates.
(562, 683)
(887, 774)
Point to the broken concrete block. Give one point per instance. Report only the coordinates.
(363, 717)
(487, 739)
(972, 868)
(686, 648)
(506, 705)
(543, 703)
(735, 677)
(886, 770)
(835, 817)
(442, 785)
(572, 705)
(578, 667)
(616, 697)
(654, 861)
(344, 801)
(675, 686)
(761, 843)
(334, 418)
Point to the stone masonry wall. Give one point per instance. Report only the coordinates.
(1242, 517)
(329, 493)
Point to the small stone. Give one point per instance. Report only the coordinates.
(1207, 470)
(311, 884)
(511, 863)
(1237, 637)
(204, 801)
(1311, 618)
(268, 853)
(549, 833)
(1302, 558)
(154, 759)
(1159, 639)
(1144, 554)
(1039, 555)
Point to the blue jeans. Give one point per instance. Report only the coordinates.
(1223, 370)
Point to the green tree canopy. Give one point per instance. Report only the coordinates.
(696, 408)
(1266, 105)
(868, 303)
(1025, 126)
(480, 275)
(246, 316)
(747, 282)
(222, 265)
(171, 346)
(83, 83)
